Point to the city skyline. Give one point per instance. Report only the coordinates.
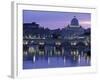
(55, 20)
(54, 47)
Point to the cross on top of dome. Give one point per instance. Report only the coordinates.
(75, 21)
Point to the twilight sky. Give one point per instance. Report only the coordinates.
(54, 20)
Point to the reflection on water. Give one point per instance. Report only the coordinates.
(73, 60)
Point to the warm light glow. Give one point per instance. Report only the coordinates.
(41, 43)
(58, 43)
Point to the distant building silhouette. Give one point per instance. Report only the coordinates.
(73, 30)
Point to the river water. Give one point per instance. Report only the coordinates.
(56, 62)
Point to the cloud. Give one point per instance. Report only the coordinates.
(85, 22)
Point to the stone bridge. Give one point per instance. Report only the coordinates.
(56, 46)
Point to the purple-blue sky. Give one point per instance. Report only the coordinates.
(54, 20)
